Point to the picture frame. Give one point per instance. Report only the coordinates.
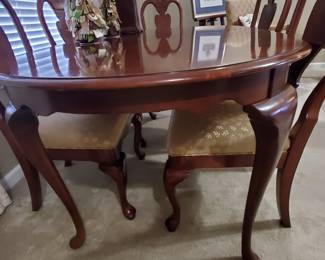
(208, 46)
(203, 9)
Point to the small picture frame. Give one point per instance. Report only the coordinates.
(203, 9)
(208, 46)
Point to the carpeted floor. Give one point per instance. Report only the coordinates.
(212, 205)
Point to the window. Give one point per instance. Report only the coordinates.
(27, 13)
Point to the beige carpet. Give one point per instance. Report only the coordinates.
(212, 205)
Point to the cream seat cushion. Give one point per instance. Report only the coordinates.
(72, 131)
(225, 130)
(236, 8)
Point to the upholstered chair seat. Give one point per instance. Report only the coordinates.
(236, 8)
(71, 131)
(225, 130)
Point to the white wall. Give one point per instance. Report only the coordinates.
(7, 159)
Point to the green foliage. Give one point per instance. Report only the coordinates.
(77, 13)
(91, 37)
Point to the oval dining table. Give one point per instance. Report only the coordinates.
(194, 69)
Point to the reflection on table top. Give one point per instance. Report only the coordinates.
(192, 48)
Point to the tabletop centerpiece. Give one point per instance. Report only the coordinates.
(92, 20)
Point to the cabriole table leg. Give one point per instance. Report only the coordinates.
(271, 121)
(24, 126)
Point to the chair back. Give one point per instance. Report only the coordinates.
(129, 16)
(58, 8)
(162, 19)
(264, 18)
(315, 32)
(7, 54)
(62, 27)
(163, 23)
(22, 34)
(10, 66)
(315, 35)
(18, 25)
(269, 11)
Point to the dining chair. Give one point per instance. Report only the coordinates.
(163, 22)
(163, 32)
(224, 137)
(264, 18)
(68, 137)
(62, 28)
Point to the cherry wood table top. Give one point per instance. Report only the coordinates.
(194, 54)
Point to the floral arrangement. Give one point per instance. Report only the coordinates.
(89, 20)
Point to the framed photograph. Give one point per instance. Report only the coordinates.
(208, 8)
(208, 46)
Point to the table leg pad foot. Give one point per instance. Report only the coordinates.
(77, 241)
(171, 224)
(251, 256)
(129, 212)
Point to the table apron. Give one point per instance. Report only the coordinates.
(196, 97)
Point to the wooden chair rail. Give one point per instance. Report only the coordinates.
(269, 11)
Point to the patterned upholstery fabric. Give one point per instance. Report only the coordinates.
(70, 131)
(236, 8)
(226, 130)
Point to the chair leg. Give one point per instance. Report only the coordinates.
(117, 173)
(143, 142)
(138, 140)
(285, 177)
(171, 179)
(283, 190)
(34, 184)
(67, 163)
(153, 115)
(299, 137)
